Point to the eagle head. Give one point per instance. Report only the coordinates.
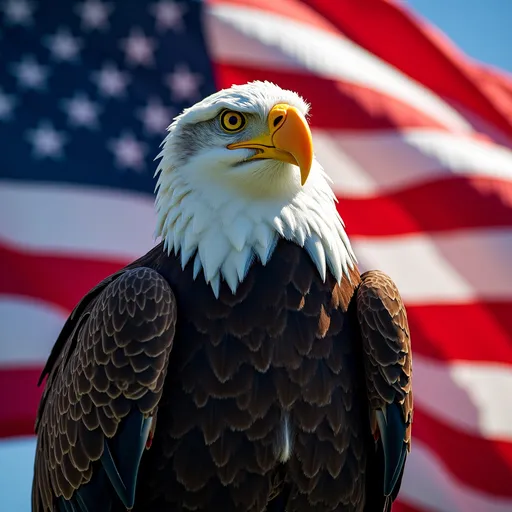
(237, 171)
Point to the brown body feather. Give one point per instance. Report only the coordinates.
(226, 375)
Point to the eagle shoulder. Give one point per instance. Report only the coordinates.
(388, 367)
(105, 376)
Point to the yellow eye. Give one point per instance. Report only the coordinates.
(232, 121)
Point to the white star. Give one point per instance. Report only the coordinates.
(129, 152)
(46, 141)
(139, 48)
(7, 103)
(183, 83)
(30, 74)
(169, 15)
(155, 117)
(81, 111)
(111, 81)
(94, 14)
(19, 12)
(63, 46)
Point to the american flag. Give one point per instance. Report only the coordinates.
(416, 137)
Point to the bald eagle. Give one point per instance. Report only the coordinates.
(244, 363)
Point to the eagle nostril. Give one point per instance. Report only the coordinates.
(277, 120)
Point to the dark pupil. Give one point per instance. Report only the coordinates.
(232, 120)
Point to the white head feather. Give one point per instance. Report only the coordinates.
(226, 210)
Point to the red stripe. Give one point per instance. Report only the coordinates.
(430, 59)
(289, 9)
(369, 22)
(477, 462)
(443, 332)
(498, 85)
(400, 506)
(60, 280)
(471, 332)
(19, 396)
(456, 202)
(335, 104)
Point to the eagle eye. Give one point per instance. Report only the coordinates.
(232, 121)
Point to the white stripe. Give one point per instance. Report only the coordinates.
(467, 395)
(454, 267)
(240, 34)
(370, 163)
(76, 220)
(121, 224)
(16, 471)
(427, 483)
(457, 266)
(28, 330)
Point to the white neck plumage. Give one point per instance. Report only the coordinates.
(226, 231)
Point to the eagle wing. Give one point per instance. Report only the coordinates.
(105, 378)
(388, 367)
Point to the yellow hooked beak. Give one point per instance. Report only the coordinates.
(289, 140)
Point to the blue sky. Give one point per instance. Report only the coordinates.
(481, 28)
